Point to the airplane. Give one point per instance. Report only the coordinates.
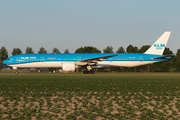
(70, 61)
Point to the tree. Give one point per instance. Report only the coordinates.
(131, 49)
(144, 48)
(29, 50)
(167, 51)
(178, 54)
(16, 51)
(167, 65)
(42, 50)
(95, 50)
(135, 49)
(66, 51)
(87, 49)
(177, 62)
(55, 50)
(3, 54)
(120, 50)
(80, 50)
(108, 49)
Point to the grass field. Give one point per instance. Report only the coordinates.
(98, 96)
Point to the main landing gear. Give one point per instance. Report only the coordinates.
(89, 70)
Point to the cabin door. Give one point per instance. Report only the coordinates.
(111, 59)
(42, 59)
(79, 58)
(18, 60)
(141, 58)
(41, 62)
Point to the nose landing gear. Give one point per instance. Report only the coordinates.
(16, 71)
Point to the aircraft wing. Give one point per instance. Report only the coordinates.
(92, 61)
(163, 56)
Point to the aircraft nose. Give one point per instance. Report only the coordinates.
(5, 62)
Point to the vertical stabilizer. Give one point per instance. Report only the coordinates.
(159, 46)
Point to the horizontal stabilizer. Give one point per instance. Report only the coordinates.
(163, 56)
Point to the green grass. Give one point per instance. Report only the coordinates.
(98, 96)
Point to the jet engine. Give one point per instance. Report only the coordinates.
(68, 66)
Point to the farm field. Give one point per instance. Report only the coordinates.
(91, 96)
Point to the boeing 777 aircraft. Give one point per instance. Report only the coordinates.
(69, 62)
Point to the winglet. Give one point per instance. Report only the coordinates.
(159, 46)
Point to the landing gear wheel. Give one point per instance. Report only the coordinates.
(85, 72)
(89, 72)
(92, 72)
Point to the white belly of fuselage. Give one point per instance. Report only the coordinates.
(124, 63)
(57, 64)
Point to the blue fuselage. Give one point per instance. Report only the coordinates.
(131, 58)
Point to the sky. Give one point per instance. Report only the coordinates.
(71, 24)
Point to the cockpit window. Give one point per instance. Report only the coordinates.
(7, 59)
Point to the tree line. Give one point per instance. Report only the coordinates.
(171, 65)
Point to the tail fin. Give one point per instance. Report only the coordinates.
(159, 46)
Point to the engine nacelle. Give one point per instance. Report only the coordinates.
(68, 66)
